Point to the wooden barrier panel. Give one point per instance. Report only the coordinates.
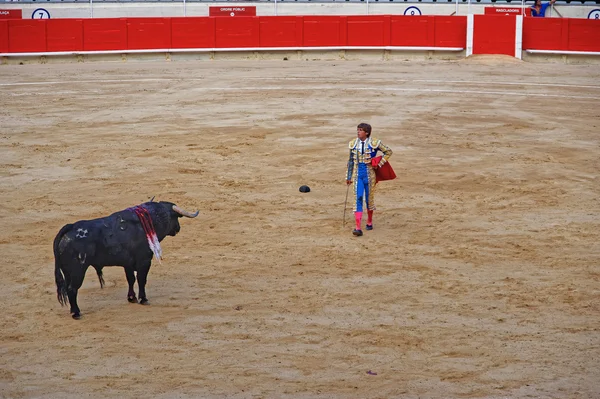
(321, 31)
(192, 32)
(567, 34)
(4, 36)
(26, 35)
(280, 31)
(450, 31)
(237, 32)
(64, 34)
(583, 34)
(148, 33)
(494, 34)
(412, 30)
(104, 34)
(368, 30)
(543, 34)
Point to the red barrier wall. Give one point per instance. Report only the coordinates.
(542, 33)
(368, 31)
(104, 34)
(4, 36)
(64, 35)
(280, 31)
(583, 34)
(411, 31)
(237, 32)
(320, 31)
(148, 33)
(561, 34)
(450, 31)
(193, 32)
(494, 34)
(26, 35)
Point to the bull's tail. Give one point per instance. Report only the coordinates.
(61, 286)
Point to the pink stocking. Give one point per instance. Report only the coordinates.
(358, 217)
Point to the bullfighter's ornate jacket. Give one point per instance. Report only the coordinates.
(359, 167)
(357, 156)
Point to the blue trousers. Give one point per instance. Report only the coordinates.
(361, 186)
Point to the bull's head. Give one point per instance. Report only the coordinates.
(166, 221)
(176, 213)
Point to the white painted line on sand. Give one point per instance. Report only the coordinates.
(419, 90)
(400, 89)
(312, 79)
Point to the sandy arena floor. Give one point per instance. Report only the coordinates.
(480, 280)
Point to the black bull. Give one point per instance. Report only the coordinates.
(115, 240)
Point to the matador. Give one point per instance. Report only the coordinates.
(360, 171)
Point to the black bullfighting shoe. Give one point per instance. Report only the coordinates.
(369, 227)
(357, 232)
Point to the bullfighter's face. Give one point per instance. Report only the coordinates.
(361, 134)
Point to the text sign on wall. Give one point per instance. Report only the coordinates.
(11, 14)
(503, 10)
(232, 11)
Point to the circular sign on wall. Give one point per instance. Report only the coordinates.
(40, 13)
(412, 10)
(594, 14)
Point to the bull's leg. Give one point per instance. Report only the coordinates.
(131, 281)
(74, 282)
(142, 275)
(100, 276)
(75, 311)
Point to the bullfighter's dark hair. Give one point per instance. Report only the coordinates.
(365, 127)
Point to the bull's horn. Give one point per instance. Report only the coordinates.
(185, 213)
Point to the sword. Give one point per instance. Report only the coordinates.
(345, 205)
